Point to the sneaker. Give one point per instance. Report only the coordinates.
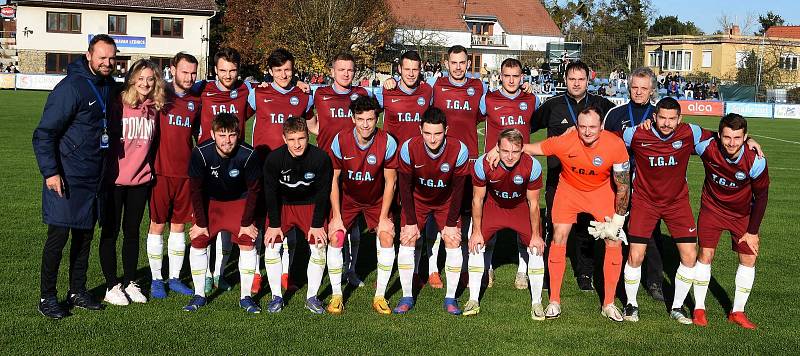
(353, 280)
(256, 284)
(655, 291)
(404, 305)
(176, 285)
(195, 303)
(116, 296)
(537, 311)
(553, 310)
(741, 319)
(473, 307)
(699, 317)
(336, 305)
(157, 289)
(209, 287)
(521, 281)
(490, 281)
(249, 305)
(611, 312)
(275, 305)
(435, 280)
(680, 316)
(381, 306)
(631, 313)
(451, 306)
(83, 300)
(315, 305)
(585, 283)
(221, 284)
(135, 293)
(50, 308)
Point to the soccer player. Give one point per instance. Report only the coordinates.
(513, 202)
(364, 175)
(225, 179)
(170, 199)
(297, 185)
(734, 198)
(432, 174)
(404, 105)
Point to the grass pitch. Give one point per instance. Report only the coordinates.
(504, 326)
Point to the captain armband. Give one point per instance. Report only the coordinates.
(622, 167)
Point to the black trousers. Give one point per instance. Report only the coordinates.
(123, 207)
(78, 259)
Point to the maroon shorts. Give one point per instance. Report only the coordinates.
(439, 213)
(711, 224)
(496, 218)
(224, 216)
(372, 214)
(170, 201)
(677, 216)
(298, 216)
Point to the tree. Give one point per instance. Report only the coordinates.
(768, 20)
(727, 22)
(671, 25)
(571, 14)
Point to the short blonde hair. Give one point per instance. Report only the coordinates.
(512, 135)
(129, 94)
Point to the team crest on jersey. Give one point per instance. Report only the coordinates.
(523, 106)
(371, 159)
(740, 175)
(353, 96)
(190, 106)
(470, 91)
(234, 94)
(597, 161)
(445, 167)
(294, 101)
(308, 176)
(233, 173)
(677, 144)
(518, 179)
(421, 101)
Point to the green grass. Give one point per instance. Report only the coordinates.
(504, 326)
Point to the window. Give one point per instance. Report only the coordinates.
(788, 62)
(680, 60)
(57, 62)
(161, 62)
(706, 59)
(741, 59)
(481, 28)
(64, 22)
(166, 27)
(117, 24)
(654, 59)
(476, 63)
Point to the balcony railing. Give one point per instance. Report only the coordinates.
(485, 40)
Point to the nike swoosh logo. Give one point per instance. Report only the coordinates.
(395, 100)
(92, 102)
(419, 165)
(494, 181)
(498, 107)
(714, 165)
(347, 158)
(445, 89)
(692, 229)
(217, 167)
(286, 171)
(646, 144)
(572, 156)
(211, 94)
(327, 98)
(267, 100)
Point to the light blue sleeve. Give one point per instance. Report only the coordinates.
(627, 135)
(310, 103)
(404, 154)
(758, 167)
(379, 96)
(536, 170)
(431, 81)
(251, 95)
(697, 132)
(391, 147)
(700, 148)
(197, 86)
(337, 151)
(463, 155)
(479, 173)
(482, 105)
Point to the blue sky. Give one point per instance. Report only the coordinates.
(705, 13)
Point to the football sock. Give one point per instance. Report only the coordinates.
(536, 277)
(476, 268)
(385, 264)
(285, 256)
(335, 269)
(223, 252)
(257, 269)
(272, 265)
(612, 268)
(316, 267)
(198, 263)
(155, 253)
(702, 276)
(405, 268)
(419, 246)
(353, 242)
(433, 257)
(488, 253)
(247, 270)
(452, 267)
(522, 266)
(683, 282)
(633, 276)
(176, 248)
(557, 265)
(744, 282)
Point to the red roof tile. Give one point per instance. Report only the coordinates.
(784, 32)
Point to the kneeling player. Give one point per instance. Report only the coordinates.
(364, 174)
(513, 203)
(433, 168)
(734, 198)
(297, 186)
(225, 181)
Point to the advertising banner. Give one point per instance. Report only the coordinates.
(749, 109)
(127, 41)
(702, 108)
(786, 111)
(7, 80)
(38, 81)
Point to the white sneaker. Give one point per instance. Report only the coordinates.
(521, 281)
(135, 293)
(116, 296)
(553, 310)
(537, 311)
(612, 312)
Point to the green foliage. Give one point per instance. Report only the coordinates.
(768, 20)
(671, 25)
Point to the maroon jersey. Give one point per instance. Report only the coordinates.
(660, 162)
(505, 112)
(215, 100)
(274, 105)
(333, 112)
(730, 185)
(403, 110)
(508, 186)
(362, 180)
(460, 103)
(175, 124)
(432, 173)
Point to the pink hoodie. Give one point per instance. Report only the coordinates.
(134, 164)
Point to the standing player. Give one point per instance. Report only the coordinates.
(432, 174)
(513, 203)
(170, 199)
(225, 180)
(364, 174)
(297, 185)
(734, 198)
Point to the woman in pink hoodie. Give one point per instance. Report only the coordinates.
(129, 173)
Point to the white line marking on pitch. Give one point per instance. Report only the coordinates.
(776, 139)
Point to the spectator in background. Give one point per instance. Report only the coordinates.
(376, 82)
(364, 82)
(688, 90)
(611, 90)
(484, 74)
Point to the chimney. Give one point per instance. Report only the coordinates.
(735, 31)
